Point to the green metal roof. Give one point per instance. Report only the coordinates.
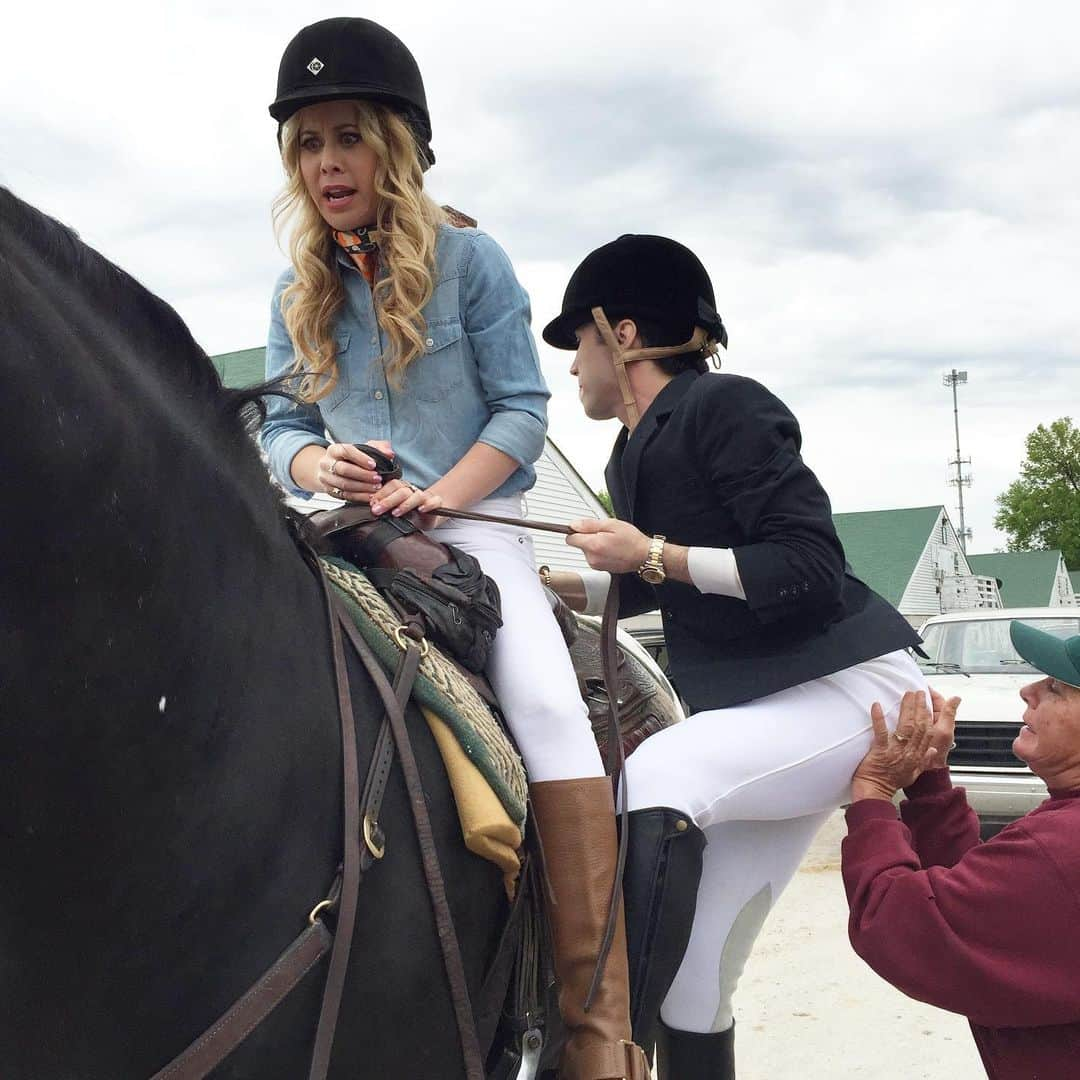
(884, 546)
(1027, 577)
(242, 368)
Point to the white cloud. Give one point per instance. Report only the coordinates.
(880, 191)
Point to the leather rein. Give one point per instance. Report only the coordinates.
(360, 819)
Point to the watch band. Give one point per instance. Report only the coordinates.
(652, 569)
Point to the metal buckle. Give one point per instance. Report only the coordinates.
(376, 847)
(404, 641)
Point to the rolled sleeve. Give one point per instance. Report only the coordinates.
(290, 425)
(496, 318)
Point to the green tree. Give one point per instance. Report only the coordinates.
(605, 500)
(1042, 509)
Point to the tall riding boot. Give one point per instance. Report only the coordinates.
(576, 820)
(660, 886)
(686, 1055)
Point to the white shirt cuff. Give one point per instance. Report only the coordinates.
(597, 583)
(714, 570)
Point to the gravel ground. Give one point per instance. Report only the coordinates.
(808, 1008)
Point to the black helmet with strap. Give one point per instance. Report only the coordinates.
(353, 59)
(650, 278)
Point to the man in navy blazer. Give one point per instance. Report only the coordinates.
(777, 648)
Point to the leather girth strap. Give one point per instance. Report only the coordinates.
(230, 1030)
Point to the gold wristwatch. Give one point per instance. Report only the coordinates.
(652, 569)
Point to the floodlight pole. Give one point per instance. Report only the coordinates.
(952, 380)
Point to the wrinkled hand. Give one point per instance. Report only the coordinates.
(944, 730)
(609, 544)
(348, 473)
(400, 498)
(897, 760)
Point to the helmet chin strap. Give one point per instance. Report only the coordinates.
(699, 342)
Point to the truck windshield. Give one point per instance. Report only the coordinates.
(982, 646)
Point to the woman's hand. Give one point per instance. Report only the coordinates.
(897, 760)
(348, 473)
(400, 498)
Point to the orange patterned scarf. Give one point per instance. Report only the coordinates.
(362, 249)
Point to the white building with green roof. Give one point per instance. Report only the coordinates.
(1028, 578)
(912, 557)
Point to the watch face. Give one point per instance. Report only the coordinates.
(652, 575)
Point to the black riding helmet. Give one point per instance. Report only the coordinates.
(650, 277)
(353, 59)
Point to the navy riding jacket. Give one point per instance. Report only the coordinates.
(715, 462)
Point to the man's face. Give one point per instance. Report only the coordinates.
(594, 369)
(1049, 741)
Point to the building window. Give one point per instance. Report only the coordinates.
(944, 531)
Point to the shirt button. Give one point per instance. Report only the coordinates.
(378, 395)
(430, 343)
(374, 339)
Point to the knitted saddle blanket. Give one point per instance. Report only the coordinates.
(441, 690)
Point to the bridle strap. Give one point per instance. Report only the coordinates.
(698, 342)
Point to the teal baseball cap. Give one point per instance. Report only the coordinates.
(1053, 656)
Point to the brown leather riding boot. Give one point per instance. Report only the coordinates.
(576, 819)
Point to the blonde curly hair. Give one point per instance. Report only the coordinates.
(408, 221)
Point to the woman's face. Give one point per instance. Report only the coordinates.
(337, 166)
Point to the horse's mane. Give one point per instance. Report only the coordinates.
(137, 310)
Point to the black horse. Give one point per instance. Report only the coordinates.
(170, 755)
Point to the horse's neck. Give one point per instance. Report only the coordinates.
(174, 769)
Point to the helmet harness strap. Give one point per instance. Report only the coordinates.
(699, 342)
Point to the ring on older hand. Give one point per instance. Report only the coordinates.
(333, 468)
(338, 492)
(952, 746)
(899, 738)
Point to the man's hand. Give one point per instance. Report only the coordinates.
(609, 544)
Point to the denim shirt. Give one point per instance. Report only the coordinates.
(478, 381)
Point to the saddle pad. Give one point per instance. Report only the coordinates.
(439, 687)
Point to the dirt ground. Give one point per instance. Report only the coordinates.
(808, 1009)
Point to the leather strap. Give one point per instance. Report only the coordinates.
(249, 1011)
(381, 760)
(444, 923)
(616, 761)
(350, 882)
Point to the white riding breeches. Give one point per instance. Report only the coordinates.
(759, 779)
(530, 668)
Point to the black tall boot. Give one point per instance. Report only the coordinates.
(660, 885)
(686, 1055)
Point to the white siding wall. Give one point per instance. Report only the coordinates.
(560, 496)
(942, 555)
(1062, 594)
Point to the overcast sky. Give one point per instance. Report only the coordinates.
(880, 191)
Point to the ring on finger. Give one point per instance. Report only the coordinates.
(333, 468)
(338, 492)
(899, 738)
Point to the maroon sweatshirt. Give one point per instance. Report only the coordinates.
(990, 931)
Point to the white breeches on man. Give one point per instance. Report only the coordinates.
(759, 779)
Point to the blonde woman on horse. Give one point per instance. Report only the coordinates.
(402, 328)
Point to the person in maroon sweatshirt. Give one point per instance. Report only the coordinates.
(988, 930)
